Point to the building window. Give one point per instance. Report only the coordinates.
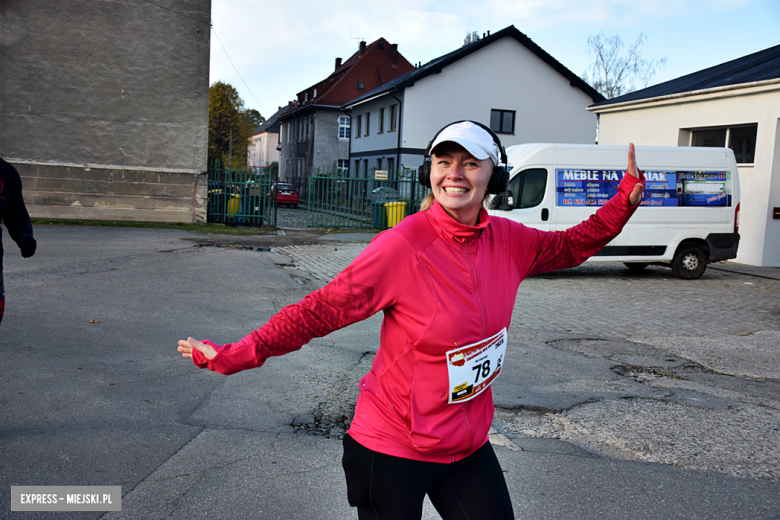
(381, 121)
(393, 116)
(357, 167)
(365, 167)
(390, 165)
(368, 121)
(502, 121)
(344, 127)
(305, 96)
(379, 164)
(360, 84)
(359, 122)
(741, 139)
(342, 168)
(315, 93)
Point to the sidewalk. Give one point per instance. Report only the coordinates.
(772, 273)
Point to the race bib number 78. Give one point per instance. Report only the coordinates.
(472, 368)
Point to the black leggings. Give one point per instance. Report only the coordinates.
(383, 487)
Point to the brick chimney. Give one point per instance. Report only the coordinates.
(362, 47)
(394, 54)
(338, 63)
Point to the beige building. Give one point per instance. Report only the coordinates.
(735, 104)
(265, 144)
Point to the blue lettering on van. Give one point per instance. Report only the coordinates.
(585, 187)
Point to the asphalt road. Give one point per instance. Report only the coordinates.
(94, 393)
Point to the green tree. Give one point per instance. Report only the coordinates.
(255, 119)
(613, 72)
(227, 112)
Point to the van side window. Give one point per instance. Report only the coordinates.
(534, 182)
(526, 189)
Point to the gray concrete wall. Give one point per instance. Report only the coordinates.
(84, 193)
(328, 148)
(91, 86)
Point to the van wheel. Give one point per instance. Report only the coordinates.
(689, 263)
(636, 267)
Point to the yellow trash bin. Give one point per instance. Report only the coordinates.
(232, 205)
(396, 211)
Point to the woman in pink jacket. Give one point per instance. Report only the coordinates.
(424, 410)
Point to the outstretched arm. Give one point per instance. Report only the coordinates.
(356, 293)
(569, 248)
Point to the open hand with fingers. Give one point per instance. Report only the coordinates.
(186, 347)
(636, 196)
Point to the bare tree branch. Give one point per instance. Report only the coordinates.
(614, 73)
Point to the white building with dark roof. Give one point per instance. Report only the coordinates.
(266, 143)
(503, 80)
(735, 104)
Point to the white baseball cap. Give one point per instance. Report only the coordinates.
(475, 139)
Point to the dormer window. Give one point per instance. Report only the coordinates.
(306, 96)
(360, 84)
(315, 93)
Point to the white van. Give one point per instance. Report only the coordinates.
(690, 208)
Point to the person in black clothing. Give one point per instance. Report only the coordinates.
(14, 215)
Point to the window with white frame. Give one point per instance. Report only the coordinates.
(393, 117)
(344, 122)
(342, 167)
(502, 121)
(741, 139)
(381, 121)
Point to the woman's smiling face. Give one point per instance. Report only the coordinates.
(459, 181)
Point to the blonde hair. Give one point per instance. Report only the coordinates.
(427, 202)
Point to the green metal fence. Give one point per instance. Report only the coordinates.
(363, 202)
(239, 195)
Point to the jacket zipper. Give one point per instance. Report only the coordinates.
(476, 289)
(468, 422)
(484, 329)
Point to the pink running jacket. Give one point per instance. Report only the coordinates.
(440, 285)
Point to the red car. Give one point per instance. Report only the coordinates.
(285, 194)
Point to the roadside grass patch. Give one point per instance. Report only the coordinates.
(208, 229)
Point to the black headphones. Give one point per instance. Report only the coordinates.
(499, 177)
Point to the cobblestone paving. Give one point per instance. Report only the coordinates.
(323, 261)
(605, 300)
(291, 218)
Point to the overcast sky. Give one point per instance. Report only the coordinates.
(281, 48)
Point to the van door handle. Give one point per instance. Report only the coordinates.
(545, 214)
